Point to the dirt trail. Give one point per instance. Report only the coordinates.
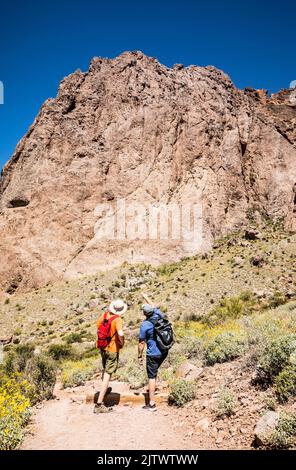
(69, 423)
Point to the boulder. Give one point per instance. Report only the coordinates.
(6, 340)
(203, 424)
(265, 427)
(252, 234)
(189, 371)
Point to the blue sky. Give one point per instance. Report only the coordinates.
(41, 42)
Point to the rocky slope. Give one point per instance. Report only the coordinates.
(132, 128)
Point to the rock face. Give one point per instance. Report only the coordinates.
(133, 129)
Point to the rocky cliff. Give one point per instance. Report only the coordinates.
(130, 128)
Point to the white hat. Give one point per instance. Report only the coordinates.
(118, 307)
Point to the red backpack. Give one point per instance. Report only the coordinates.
(104, 337)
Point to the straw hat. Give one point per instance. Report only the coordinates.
(118, 307)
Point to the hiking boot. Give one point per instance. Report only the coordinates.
(150, 407)
(101, 408)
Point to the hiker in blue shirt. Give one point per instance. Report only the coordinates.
(154, 357)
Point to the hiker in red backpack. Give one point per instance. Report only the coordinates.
(110, 341)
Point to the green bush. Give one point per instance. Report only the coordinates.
(270, 403)
(130, 372)
(182, 391)
(231, 308)
(73, 338)
(284, 435)
(285, 383)
(167, 269)
(192, 347)
(277, 299)
(75, 373)
(226, 403)
(60, 351)
(226, 346)
(176, 356)
(276, 357)
(39, 371)
(17, 359)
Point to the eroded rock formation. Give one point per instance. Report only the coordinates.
(135, 129)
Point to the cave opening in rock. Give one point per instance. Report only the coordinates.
(243, 148)
(71, 107)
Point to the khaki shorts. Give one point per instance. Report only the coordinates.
(109, 361)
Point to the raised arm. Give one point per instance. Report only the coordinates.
(148, 300)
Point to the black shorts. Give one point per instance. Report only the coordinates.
(153, 363)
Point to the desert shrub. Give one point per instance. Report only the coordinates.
(60, 351)
(277, 299)
(14, 411)
(284, 435)
(285, 383)
(226, 346)
(17, 359)
(192, 347)
(166, 374)
(176, 356)
(131, 372)
(231, 308)
(192, 316)
(91, 352)
(270, 403)
(226, 403)
(276, 357)
(76, 373)
(186, 347)
(73, 338)
(167, 269)
(182, 391)
(39, 371)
